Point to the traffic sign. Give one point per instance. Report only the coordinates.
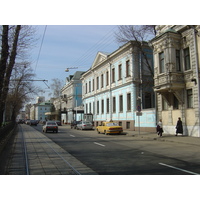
(139, 108)
(138, 113)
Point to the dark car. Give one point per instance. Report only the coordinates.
(50, 126)
(74, 124)
(21, 121)
(59, 123)
(33, 122)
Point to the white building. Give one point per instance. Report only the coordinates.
(117, 85)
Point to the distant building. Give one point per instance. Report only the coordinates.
(41, 109)
(176, 55)
(40, 99)
(71, 105)
(118, 85)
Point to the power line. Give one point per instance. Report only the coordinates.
(102, 43)
(40, 47)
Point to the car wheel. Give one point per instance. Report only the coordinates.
(98, 131)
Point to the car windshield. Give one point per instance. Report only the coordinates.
(51, 123)
(86, 123)
(112, 124)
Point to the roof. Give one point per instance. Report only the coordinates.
(77, 75)
(45, 103)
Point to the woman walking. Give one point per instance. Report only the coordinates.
(160, 128)
(179, 127)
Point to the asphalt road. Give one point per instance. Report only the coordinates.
(127, 155)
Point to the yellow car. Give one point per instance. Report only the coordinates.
(109, 127)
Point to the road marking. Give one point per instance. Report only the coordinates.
(99, 144)
(72, 136)
(178, 168)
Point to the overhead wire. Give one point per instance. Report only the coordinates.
(40, 47)
(99, 46)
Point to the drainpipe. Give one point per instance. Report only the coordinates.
(110, 90)
(197, 72)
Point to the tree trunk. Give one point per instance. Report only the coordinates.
(8, 70)
(3, 64)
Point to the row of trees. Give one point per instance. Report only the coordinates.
(15, 70)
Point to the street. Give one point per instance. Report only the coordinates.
(127, 155)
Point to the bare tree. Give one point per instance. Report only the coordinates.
(14, 42)
(20, 88)
(56, 87)
(140, 34)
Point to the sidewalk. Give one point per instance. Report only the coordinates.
(165, 137)
(44, 156)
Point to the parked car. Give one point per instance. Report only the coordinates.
(21, 121)
(28, 121)
(84, 126)
(74, 124)
(59, 123)
(50, 126)
(109, 127)
(33, 122)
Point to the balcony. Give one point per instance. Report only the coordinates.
(169, 81)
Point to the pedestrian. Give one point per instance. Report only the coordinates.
(159, 128)
(179, 127)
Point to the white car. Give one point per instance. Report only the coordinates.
(84, 125)
(50, 126)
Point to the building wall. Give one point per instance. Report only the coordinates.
(98, 86)
(172, 85)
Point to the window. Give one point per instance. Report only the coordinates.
(113, 75)
(175, 103)
(86, 88)
(187, 59)
(128, 102)
(97, 83)
(93, 107)
(89, 86)
(178, 61)
(189, 98)
(102, 106)
(101, 80)
(92, 84)
(107, 78)
(147, 100)
(121, 103)
(120, 71)
(114, 104)
(128, 125)
(107, 105)
(161, 62)
(97, 107)
(128, 68)
(90, 107)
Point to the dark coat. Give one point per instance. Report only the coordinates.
(179, 127)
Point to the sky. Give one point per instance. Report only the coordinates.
(68, 46)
